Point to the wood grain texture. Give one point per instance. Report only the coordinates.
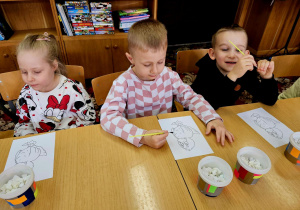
(95, 170)
(271, 191)
(94, 55)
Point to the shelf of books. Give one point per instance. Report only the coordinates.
(108, 19)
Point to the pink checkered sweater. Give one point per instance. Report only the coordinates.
(130, 97)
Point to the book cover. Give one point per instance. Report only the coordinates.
(82, 24)
(85, 18)
(76, 3)
(78, 11)
(68, 18)
(132, 11)
(76, 7)
(64, 19)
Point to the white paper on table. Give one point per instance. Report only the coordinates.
(36, 152)
(186, 140)
(271, 129)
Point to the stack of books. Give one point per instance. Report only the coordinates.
(79, 15)
(102, 17)
(130, 16)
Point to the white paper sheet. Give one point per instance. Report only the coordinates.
(272, 130)
(36, 152)
(187, 140)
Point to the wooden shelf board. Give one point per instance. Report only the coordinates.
(19, 35)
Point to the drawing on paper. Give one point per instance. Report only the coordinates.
(268, 124)
(28, 155)
(184, 134)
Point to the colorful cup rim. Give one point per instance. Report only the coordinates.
(224, 167)
(292, 140)
(247, 150)
(21, 190)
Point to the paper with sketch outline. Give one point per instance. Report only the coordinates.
(36, 152)
(186, 140)
(271, 129)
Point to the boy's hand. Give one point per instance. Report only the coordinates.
(245, 63)
(155, 141)
(265, 69)
(221, 132)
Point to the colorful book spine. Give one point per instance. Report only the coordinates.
(64, 19)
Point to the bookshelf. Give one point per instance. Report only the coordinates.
(98, 54)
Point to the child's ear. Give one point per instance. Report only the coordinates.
(247, 52)
(129, 57)
(211, 53)
(55, 65)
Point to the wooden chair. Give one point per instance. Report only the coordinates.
(186, 60)
(76, 73)
(286, 65)
(101, 86)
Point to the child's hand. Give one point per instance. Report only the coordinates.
(155, 141)
(221, 131)
(245, 63)
(265, 69)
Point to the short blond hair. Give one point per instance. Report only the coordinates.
(47, 43)
(234, 27)
(147, 34)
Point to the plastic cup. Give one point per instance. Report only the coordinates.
(292, 151)
(23, 196)
(246, 173)
(209, 187)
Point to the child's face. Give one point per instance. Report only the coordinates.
(148, 65)
(36, 71)
(226, 54)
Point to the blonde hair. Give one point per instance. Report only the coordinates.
(44, 42)
(234, 27)
(147, 34)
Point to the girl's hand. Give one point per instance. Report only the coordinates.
(155, 141)
(265, 69)
(221, 131)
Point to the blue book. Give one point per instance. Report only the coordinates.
(76, 11)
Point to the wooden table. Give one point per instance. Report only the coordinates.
(278, 189)
(95, 170)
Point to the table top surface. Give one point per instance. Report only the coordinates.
(96, 170)
(280, 186)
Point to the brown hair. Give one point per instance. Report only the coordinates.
(234, 27)
(44, 42)
(147, 34)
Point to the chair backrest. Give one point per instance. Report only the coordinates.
(286, 65)
(187, 59)
(76, 73)
(11, 84)
(101, 86)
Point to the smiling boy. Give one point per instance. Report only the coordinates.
(147, 88)
(224, 73)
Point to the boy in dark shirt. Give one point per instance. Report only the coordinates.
(224, 73)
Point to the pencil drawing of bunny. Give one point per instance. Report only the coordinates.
(184, 135)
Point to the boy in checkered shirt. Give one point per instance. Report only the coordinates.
(147, 88)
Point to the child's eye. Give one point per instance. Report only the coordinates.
(23, 72)
(147, 65)
(160, 62)
(37, 72)
(238, 51)
(224, 49)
